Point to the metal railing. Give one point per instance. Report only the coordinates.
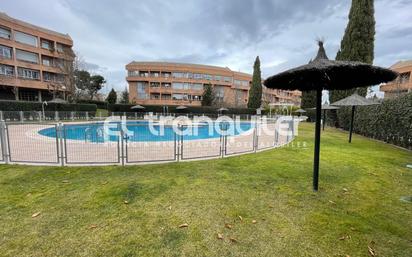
(54, 143)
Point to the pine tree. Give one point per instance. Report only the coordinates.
(112, 97)
(255, 92)
(358, 41)
(208, 96)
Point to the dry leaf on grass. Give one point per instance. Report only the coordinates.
(170, 207)
(233, 240)
(219, 236)
(345, 237)
(65, 181)
(332, 202)
(34, 215)
(93, 226)
(227, 225)
(345, 189)
(240, 218)
(184, 225)
(371, 251)
(254, 221)
(126, 202)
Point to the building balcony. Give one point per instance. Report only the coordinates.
(171, 102)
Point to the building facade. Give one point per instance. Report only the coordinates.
(35, 63)
(402, 84)
(163, 83)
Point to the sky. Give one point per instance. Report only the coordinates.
(108, 34)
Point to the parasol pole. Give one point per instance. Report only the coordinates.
(351, 123)
(317, 139)
(324, 119)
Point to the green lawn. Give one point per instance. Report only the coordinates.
(83, 210)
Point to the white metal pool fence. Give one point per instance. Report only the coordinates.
(21, 142)
(55, 116)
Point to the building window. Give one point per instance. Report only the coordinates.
(25, 38)
(166, 97)
(178, 75)
(47, 44)
(47, 61)
(207, 76)
(197, 76)
(227, 79)
(6, 70)
(6, 52)
(27, 56)
(179, 97)
(218, 77)
(28, 73)
(49, 76)
(219, 93)
(59, 48)
(5, 33)
(155, 96)
(141, 90)
(154, 84)
(197, 86)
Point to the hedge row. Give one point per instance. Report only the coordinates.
(190, 109)
(37, 106)
(99, 104)
(390, 121)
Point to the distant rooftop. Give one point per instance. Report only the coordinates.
(4, 16)
(401, 64)
(189, 65)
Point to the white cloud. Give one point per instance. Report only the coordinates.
(110, 34)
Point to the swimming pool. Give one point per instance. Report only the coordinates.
(141, 131)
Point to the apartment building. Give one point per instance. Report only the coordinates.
(164, 83)
(35, 63)
(402, 84)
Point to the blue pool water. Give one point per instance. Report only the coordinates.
(141, 132)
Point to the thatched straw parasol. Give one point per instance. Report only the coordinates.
(58, 101)
(322, 73)
(137, 107)
(324, 108)
(300, 111)
(353, 100)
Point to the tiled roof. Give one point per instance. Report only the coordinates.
(401, 64)
(188, 65)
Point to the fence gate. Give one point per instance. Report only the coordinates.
(192, 148)
(24, 144)
(142, 146)
(86, 144)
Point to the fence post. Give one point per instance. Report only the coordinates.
(21, 116)
(60, 148)
(87, 116)
(121, 143)
(56, 116)
(3, 140)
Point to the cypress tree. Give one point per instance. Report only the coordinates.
(308, 100)
(357, 45)
(208, 95)
(255, 92)
(358, 41)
